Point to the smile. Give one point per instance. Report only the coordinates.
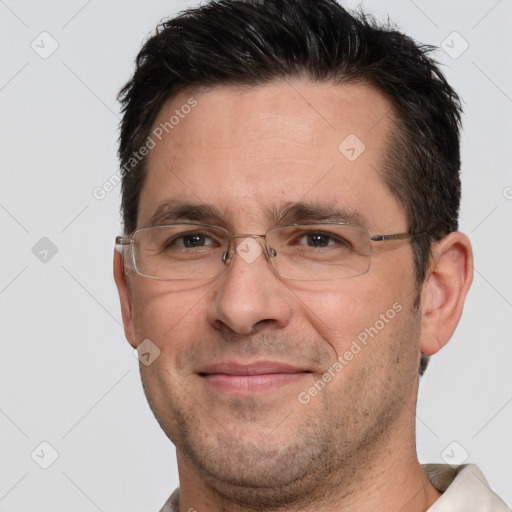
(254, 378)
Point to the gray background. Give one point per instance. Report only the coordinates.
(67, 375)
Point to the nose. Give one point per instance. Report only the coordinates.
(249, 296)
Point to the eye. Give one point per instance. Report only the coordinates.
(190, 240)
(320, 239)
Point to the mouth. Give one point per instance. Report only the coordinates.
(253, 378)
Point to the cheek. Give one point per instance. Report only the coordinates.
(358, 313)
(171, 319)
(339, 311)
(167, 314)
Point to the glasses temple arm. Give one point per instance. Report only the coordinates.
(397, 236)
(123, 240)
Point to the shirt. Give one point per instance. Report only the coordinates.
(464, 489)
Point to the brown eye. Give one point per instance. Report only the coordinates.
(319, 240)
(194, 240)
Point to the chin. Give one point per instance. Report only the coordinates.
(271, 481)
(257, 470)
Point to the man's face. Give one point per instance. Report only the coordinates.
(234, 384)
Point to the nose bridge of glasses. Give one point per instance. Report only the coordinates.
(248, 247)
(242, 235)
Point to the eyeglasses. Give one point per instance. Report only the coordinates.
(311, 251)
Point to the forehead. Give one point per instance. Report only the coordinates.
(248, 151)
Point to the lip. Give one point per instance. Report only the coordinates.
(251, 378)
(254, 368)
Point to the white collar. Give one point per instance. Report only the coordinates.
(464, 489)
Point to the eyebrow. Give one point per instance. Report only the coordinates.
(303, 212)
(174, 210)
(300, 212)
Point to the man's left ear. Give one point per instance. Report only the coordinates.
(444, 291)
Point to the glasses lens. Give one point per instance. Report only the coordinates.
(179, 251)
(320, 251)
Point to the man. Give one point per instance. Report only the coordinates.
(291, 258)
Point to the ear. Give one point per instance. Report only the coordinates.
(123, 289)
(445, 289)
